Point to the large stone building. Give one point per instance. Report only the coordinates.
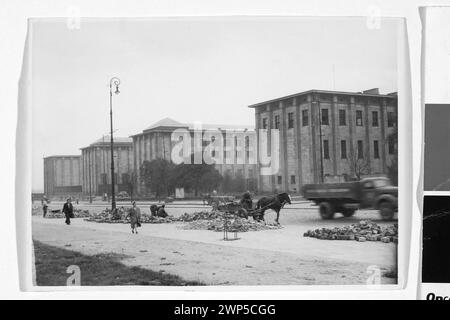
(96, 163)
(62, 176)
(328, 136)
(155, 142)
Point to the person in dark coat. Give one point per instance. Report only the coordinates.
(135, 217)
(44, 207)
(247, 201)
(162, 211)
(68, 210)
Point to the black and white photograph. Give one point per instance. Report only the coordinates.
(217, 151)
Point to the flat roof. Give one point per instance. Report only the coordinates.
(168, 123)
(392, 95)
(106, 140)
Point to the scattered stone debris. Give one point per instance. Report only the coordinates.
(235, 224)
(202, 215)
(58, 214)
(365, 230)
(202, 220)
(120, 216)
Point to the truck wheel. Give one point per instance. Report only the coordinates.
(348, 212)
(386, 210)
(326, 210)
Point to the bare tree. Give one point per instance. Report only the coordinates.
(358, 162)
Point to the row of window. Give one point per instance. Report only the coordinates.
(125, 178)
(359, 149)
(325, 119)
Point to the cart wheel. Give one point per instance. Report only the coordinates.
(242, 213)
(326, 210)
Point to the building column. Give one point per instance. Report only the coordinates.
(314, 144)
(283, 146)
(269, 137)
(351, 124)
(367, 123)
(298, 142)
(258, 169)
(383, 124)
(334, 110)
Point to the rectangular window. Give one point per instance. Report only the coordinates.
(326, 149)
(376, 150)
(290, 120)
(125, 178)
(325, 121)
(359, 118)
(292, 179)
(391, 146)
(280, 179)
(277, 122)
(391, 119)
(342, 117)
(264, 123)
(374, 118)
(343, 149)
(104, 178)
(305, 119)
(360, 150)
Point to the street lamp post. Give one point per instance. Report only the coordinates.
(113, 82)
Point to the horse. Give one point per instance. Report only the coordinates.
(275, 203)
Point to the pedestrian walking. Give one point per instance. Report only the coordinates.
(68, 210)
(135, 217)
(44, 207)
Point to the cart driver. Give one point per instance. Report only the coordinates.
(246, 201)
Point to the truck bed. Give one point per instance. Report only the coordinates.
(344, 190)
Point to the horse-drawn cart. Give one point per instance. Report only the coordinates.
(237, 209)
(275, 202)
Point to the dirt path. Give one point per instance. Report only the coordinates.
(211, 260)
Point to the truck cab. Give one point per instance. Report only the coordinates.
(374, 188)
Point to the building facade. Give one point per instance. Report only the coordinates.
(156, 142)
(96, 163)
(328, 136)
(62, 176)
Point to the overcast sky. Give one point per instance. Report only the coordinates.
(206, 70)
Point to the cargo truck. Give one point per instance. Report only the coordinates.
(347, 197)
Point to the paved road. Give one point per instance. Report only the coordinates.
(265, 257)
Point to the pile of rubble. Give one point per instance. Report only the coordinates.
(202, 220)
(108, 216)
(58, 214)
(201, 215)
(365, 230)
(145, 218)
(120, 216)
(235, 224)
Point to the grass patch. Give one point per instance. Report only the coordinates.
(98, 270)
